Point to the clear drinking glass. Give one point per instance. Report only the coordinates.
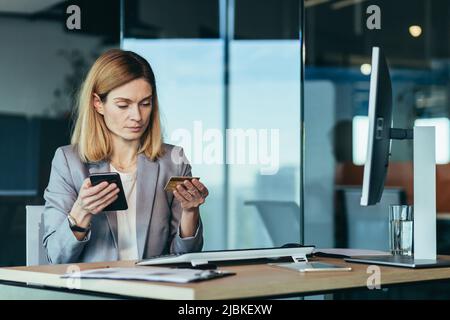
(401, 230)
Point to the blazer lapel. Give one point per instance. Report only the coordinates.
(100, 167)
(147, 175)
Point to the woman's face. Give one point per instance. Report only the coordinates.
(127, 109)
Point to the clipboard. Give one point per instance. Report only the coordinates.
(150, 274)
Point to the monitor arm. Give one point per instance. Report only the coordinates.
(424, 188)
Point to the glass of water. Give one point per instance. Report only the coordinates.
(401, 230)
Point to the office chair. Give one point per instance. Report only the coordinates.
(366, 227)
(34, 233)
(281, 219)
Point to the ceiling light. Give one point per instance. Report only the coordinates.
(366, 69)
(415, 31)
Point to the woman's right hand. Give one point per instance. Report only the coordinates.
(92, 200)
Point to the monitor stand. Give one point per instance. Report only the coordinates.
(400, 261)
(424, 208)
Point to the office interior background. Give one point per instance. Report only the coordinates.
(237, 64)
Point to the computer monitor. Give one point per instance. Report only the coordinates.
(375, 169)
(380, 123)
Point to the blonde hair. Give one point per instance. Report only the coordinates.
(113, 69)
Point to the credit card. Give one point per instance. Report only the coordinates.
(175, 181)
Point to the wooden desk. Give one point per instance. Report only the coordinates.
(250, 281)
(445, 216)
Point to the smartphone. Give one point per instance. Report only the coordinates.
(111, 177)
(176, 180)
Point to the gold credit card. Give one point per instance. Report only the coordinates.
(174, 181)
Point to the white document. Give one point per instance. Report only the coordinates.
(149, 274)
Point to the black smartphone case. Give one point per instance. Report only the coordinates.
(111, 177)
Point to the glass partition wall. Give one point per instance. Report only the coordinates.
(339, 40)
(228, 76)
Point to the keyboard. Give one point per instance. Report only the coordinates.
(198, 258)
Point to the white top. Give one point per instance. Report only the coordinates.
(126, 219)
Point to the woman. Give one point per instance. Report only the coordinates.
(118, 129)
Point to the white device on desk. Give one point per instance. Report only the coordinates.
(380, 135)
(311, 266)
(298, 254)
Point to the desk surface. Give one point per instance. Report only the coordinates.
(443, 216)
(250, 281)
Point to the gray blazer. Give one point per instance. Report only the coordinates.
(158, 213)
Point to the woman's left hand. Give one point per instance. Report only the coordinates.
(191, 194)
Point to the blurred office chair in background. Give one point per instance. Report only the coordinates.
(365, 227)
(281, 219)
(34, 233)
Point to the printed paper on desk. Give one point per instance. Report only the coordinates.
(149, 274)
